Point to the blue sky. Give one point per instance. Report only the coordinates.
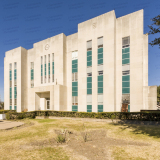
(23, 23)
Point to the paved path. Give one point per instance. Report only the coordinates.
(8, 124)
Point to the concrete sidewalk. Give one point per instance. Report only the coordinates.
(8, 124)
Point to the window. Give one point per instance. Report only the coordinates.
(100, 51)
(89, 85)
(75, 100)
(89, 74)
(10, 86)
(45, 69)
(32, 74)
(125, 42)
(89, 108)
(100, 82)
(74, 76)
(15, 85)
(100, 108)
(89, 54)
(52, 67)
(126, 71)
(75, 81)
(41, 70)
(49, 68)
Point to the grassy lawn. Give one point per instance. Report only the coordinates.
(38, 139)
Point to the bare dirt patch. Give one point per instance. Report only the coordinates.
(96, 146)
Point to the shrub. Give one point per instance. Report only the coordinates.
(60, 138)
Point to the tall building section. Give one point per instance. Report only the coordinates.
(101, 68)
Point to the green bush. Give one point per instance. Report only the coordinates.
(145, 116)
(60, 138)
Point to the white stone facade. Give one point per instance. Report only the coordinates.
(59, 92)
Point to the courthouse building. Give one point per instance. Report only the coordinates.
(98, 69)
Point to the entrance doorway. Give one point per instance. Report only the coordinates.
(48, 104)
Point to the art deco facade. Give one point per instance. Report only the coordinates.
(98, 69)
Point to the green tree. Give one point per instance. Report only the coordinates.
(155, 28)
(158, 93)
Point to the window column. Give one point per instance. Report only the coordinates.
(41, 69)
(75, 81)
(100, 91)
(126, 73)
(49, 68)
(15, 86)
(52, 67)
(45, 69)
(10, 86)
(100, 73)
(32, 74)
(89, 76)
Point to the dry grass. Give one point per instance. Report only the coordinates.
(37, 141)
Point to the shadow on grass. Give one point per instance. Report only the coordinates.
(149, 130)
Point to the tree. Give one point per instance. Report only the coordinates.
(158, 93)
(154, 30)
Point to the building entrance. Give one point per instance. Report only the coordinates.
(48, 104)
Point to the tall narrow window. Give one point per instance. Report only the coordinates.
(41, 70)
(49, 68)
(15, 86)
(100, 51)
(100, 91)
(100, 73)
(45, 69)
(52, 67)
(89, 53)
(10, 86)
(89, 92)
(32, 74)
(126, 74)
(89, 76)
(75, 81)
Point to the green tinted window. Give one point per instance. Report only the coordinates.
(89, 108)
(75, 84)
(74, 89)
(125, 84)
(100, 90)
(74, 61)
(125, 61)
(75, 108)
(126, 78)
(89, 53)
(74, 70)
(124, 56)
(100, 56)
(100, 84)
(100, 61)
(89, 79)
(89, 58)
(129, 108)
(89, 91)
(127, 50)
(100, 108)
(74, 93)
(125, 90)
(100, 78)
(100, 50)
(89, 63)
(89, 85)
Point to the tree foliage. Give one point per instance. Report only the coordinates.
(158, 93)
(155, 28)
